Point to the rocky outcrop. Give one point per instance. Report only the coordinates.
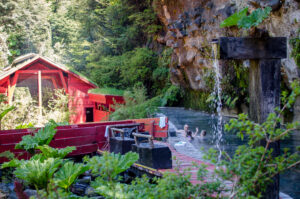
(190, 25)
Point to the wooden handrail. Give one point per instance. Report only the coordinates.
(150, 139)
(121, 131)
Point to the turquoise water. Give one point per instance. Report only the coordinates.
(289, 181)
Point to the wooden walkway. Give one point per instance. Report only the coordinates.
(181, 162)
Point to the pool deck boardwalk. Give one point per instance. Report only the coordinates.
(181, 163)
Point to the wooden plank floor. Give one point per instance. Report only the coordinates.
(185, 162)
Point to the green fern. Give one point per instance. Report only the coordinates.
(66, 176)
(49, 152)
(38, 172)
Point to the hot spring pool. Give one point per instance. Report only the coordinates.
(289, 181)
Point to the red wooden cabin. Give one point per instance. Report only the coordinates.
(37, 73)
(104, 105)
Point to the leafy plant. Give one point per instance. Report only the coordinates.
(136, 105)
(14, 44)
(49, 152)
(109, 166)
(11, 164)
(42, 137)
(25, 126)
(68, 173)
(234, 19)
(4, 113)
(295, 42)
(7, 154)
(253, 166)
(241, 19)
(36, 172)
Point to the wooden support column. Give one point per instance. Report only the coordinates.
(12, 87)
(40, 91)
(264, 91)
(264, 86)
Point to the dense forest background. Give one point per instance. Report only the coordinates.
(109, 41)
(144, 44)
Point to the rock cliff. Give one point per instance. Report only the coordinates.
(190, 25)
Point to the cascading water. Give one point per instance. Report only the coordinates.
(218, 127)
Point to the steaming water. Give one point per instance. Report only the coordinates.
(289, 181)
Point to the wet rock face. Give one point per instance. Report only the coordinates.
(190, 25)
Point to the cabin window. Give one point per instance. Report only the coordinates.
(102, 107)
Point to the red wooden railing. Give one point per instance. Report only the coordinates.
(87, 137)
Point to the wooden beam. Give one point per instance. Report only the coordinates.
(54, 82)
(12, 88)
(63, 81)
(40, 91)
(36, 71)
(253, 48)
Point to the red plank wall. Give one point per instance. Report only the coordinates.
(79, 100)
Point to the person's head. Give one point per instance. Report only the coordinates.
(186, 127)
(203, 133)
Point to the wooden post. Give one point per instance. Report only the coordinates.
(264, 85)
(40, 91)
(264, 91)
(12, 88)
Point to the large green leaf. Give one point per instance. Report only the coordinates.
(66, 175)
(109, 165)
(12, 163)
(49, 152)
(255, 18)
(38, 172)
(234, 19)
(42, 137)
(3, 113)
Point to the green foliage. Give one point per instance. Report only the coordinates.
(68, 173)
(296, 49)
(25, 126)
(197, 100)
(136, 105)
(12, 163)
(255, 18)
(107, 91)
(49, 152)
(253, 166)
(110, 165)
(172, 95)
(241, 19)
(36, 172)
(42, 137)
(234, 19)
(4, 113)
(15, 42)
(7, 154)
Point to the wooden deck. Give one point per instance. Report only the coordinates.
(181, 161)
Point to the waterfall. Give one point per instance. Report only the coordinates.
(218, 127)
